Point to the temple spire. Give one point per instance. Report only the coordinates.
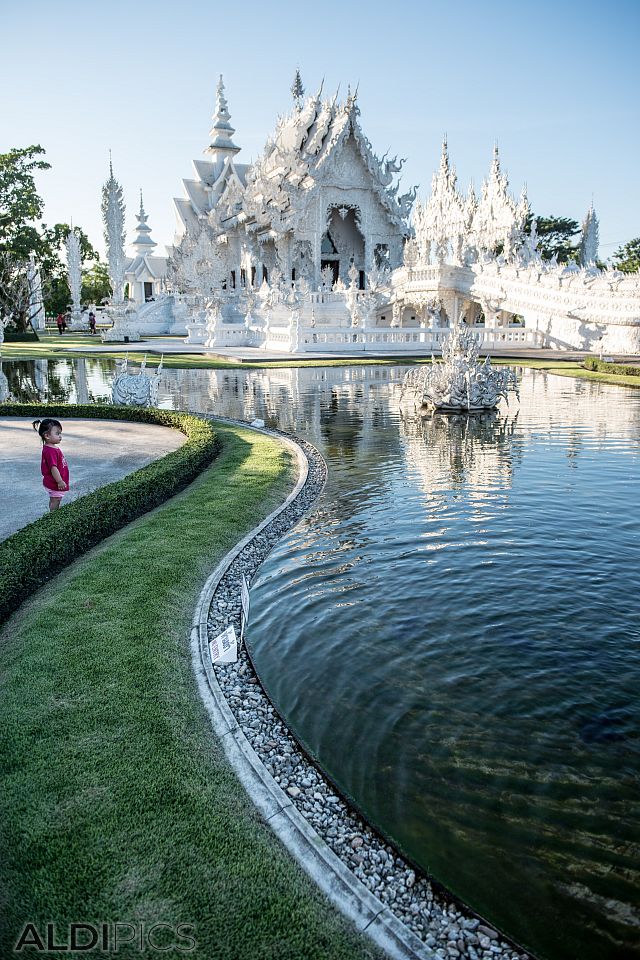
(495, 165)
(143, 244)
(222, 132)
(444, 156)
(113, 210)
(589, 238)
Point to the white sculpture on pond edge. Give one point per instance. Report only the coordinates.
(461, 382)
(136, 390)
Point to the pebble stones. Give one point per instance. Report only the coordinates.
(450, 931)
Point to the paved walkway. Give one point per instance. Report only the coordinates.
(97, 451)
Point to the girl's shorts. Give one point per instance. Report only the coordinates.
(58, 494)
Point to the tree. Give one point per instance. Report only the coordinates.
(627, 257)
(20, 204)
(20, 207)
(555, 235)
(96, 285)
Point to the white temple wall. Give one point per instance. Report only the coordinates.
(564, 333)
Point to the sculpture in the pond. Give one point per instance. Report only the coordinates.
(461, 381)
(137, 390)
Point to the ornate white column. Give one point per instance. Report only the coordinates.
(74, 273)
(113, 218)
(36, 303)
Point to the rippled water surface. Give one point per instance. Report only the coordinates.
(454, 633)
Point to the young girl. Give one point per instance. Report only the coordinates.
(55, 472)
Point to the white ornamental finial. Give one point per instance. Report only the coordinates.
(221, 132)
(143, 243)
(444, 156)
(114, 234)
(222, 108)
(74, 270)
(589, 238)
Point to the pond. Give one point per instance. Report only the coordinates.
(453, 632)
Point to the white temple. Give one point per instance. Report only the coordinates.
(313, 248)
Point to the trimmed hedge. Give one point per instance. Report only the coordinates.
(32, 555)
(603, 366)
(21, 336)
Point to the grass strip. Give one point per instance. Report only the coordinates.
(53, 347)
(118, 803)
(34, 553)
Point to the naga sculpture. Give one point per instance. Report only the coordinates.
(136, 390)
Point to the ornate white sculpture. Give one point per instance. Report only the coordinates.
(36, 302)
(589, 239)
(198, 266)
(5, 393)
(114, 234)
(138, 390)
(74, 272)
(461, 381)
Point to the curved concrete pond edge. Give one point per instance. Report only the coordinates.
(337, 881)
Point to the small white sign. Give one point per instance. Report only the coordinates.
(224, 647)
(244, 596)
(257, 422)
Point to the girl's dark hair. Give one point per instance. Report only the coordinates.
(43, 426)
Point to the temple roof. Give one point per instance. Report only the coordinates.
(297, 158)
(146, 266)
(273, 192)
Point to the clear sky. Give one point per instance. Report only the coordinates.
(556, 83)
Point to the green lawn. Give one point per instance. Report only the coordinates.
(56, 347)
(118, 803)
(53, 346)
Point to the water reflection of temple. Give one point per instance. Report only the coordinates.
(452, 451)
(324, 404)
(344, 408)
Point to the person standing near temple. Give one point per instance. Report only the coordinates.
(54, 468)
(60, 323)
(92, 322)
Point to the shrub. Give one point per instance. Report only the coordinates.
(11, 335)
(604, 366)
(32, 555)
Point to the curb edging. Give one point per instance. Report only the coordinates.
(311, 852)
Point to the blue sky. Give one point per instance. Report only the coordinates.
(556, 84)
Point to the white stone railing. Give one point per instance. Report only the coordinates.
(398, 339)
(339, 339)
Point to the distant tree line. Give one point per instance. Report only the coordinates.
(559, 237)
(23, 234)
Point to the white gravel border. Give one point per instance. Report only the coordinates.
(438, 928)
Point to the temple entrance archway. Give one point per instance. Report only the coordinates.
(343, 242)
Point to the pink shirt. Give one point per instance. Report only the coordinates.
(53, 457)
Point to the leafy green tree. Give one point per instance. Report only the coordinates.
(627, 257)
(20, 203)
(96, 285)
(557, 238)
(20, 236)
